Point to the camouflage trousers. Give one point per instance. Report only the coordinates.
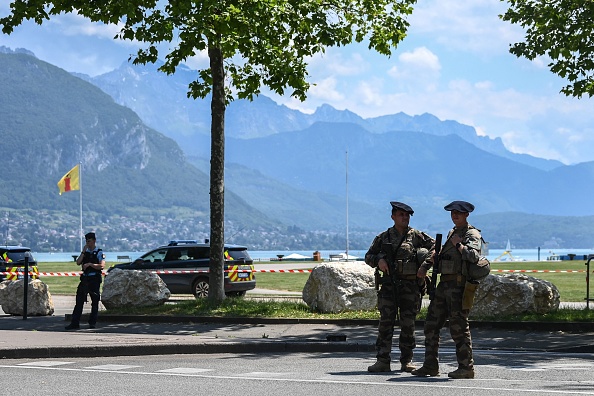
(409, 304)
(447, 304)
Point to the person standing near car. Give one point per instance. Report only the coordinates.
(398, 253)
(462, 246)
(92, 262)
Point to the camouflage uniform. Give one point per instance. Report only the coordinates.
(447, 303)
(407, 300)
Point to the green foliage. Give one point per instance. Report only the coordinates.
(263, 42)
(561, 30)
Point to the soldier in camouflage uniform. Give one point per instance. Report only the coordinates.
(401, 291)
(462, 246)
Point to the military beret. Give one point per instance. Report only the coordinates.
(90, 235)
(460, 206)
(401, 206)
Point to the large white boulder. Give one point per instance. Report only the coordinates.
(39, 299)
(131, 288)
(339, 287)
(514, 294)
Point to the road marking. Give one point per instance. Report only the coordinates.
(114, 367)
(521, 368)
(184, 370)
(45, 363)
(257, 374)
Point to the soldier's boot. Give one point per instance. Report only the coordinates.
(379, 367)
(462, 373)
(425, 371)
(407, 367)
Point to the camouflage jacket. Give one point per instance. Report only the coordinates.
(404, 253)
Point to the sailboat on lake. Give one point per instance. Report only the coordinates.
(508, 253)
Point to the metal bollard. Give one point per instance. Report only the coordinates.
(588, 282)
(26, 285)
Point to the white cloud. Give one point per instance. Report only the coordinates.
(75, 25)
(325, 90)
(466, 25)
(421, 58)
(418, 69)
(369, 93)
(484, 85)
(198, 61)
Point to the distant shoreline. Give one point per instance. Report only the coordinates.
(265, 255)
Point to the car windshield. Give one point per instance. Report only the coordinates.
(155, 255)
(16, 256)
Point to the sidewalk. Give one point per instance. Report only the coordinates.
(45, 337)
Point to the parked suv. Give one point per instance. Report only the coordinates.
(12, 259)
(178, 264)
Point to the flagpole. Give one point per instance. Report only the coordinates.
(347, 205)
(80, 230)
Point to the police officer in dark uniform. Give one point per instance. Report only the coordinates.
(92, 262)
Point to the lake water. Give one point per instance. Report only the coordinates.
(517, 254)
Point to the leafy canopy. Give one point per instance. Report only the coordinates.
(263, 42)
(562, 30)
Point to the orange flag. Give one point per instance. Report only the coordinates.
(70, 181)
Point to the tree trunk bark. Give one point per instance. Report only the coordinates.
(217, 177)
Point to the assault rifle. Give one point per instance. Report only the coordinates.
(389, 252)
(436, 260)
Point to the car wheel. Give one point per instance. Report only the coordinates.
(200, 288)
(236, 294)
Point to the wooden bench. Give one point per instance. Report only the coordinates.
(335, 256)
(127, 258)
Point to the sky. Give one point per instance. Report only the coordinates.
(454, 63)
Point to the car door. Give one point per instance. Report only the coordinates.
(178, 267)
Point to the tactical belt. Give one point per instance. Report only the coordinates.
(406, 277)
(452, 277)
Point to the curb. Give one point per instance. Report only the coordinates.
(248, 347)
(227, 319)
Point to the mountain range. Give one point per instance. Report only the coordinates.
(51, 120)
(161, 101)
(284, 168)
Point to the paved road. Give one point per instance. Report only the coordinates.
(498, 373)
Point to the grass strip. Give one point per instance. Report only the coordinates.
(241, 307)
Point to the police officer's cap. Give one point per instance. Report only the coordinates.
(460, 206)
(402, 206)
(90, 235)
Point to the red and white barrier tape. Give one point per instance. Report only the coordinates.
(294, 271)
(500, 270)
(155, 272)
